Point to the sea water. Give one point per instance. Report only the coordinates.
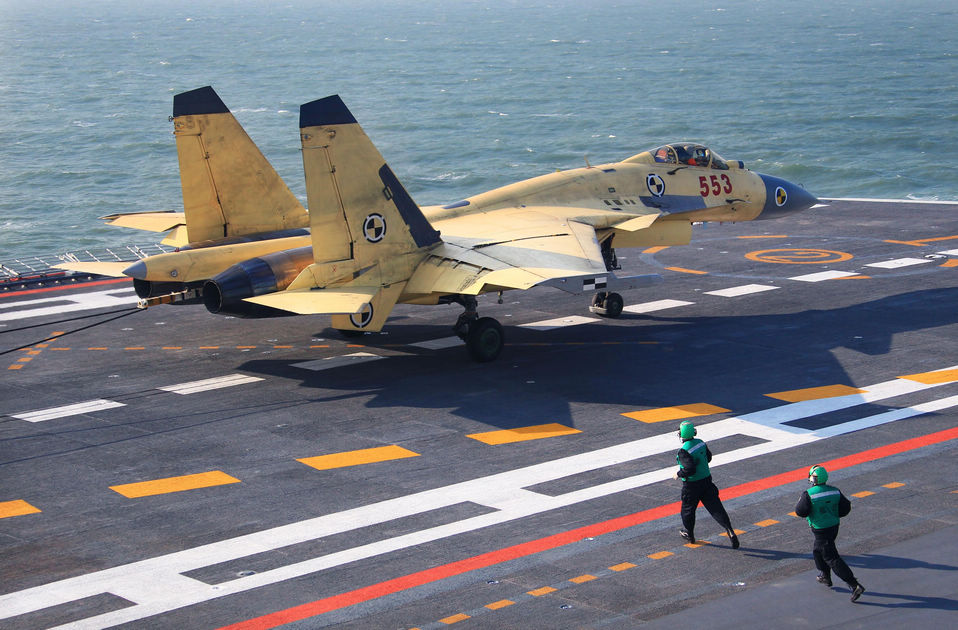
(848, 98)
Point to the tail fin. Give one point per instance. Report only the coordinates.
(229, 188)
(360, 211)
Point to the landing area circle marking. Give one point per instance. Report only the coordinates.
(801, 256)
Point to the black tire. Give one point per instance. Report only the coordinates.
(614, 305)
(485, 340)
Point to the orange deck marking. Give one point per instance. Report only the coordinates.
(894, 484)
(16, 508)
(684, 270)
(502, 603)
(660, 554)
(654, 250)
(172, 347)
(174, 484)
(582, 579)
(209, 347)
(356, 458)
(523, 434)
(924, 241)
(863, 494)
(737, 532)
(769, 236)
(625, 566)
(933, 378)
(767, 523)
(454, 619)
(539, 592)
(816, 393)
(15, 366)
(662, 414)
(135, 348)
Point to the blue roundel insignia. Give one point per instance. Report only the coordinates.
(780, 196)
(655, 184)
(374, 227)
(363, 317)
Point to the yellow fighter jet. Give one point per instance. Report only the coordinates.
(370, 246)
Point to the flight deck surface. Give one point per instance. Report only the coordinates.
(170, 468)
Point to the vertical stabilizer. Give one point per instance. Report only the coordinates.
(229, 188)
(360, 213)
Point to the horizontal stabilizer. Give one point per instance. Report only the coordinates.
(345, 300)
(147, 221)
(109, 269)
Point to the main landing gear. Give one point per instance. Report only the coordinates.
(483, 335)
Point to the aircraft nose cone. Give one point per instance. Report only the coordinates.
(783, 197)
(137, 270)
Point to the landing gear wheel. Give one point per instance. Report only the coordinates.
(614, 305)
(485, 339)
(607, 304)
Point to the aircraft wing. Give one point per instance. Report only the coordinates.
(515, 248)
(346, 300)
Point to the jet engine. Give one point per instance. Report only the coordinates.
(225, 293)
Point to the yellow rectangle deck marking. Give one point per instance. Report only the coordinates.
(816, 393)
(174, 484)
(769, 236)
(767, 522)
(660, 554)
(56, 349)
(356, 458)
(24, 359)
(924, 241)
(684, 270)
(282, 347)
(16, 508)
(245, 347)
(539, 592)
(794, 514)
(674, 413)
(951, 263)
(894, 484)
(933, 378)
(863, 494)
(625, 566)
(654, 250)
(172, 347)
(96, 348)
(502, 603)
(582, 579)
(209, 347)
(135, 348)
(15, 366)
(454, 619)
(737, 532)
(522, 434)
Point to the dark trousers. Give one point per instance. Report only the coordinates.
(827, 558)
(704, 491)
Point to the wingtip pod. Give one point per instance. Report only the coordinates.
(325, 111)
(202, 100)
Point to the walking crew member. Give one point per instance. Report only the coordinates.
(697, 486)
(823, 506)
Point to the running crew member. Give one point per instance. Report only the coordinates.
(823, 506)
(693, 459)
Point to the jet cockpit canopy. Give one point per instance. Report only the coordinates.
(690, 155)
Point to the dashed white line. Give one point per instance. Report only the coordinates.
(745, 289)
(658, 305)
(338, 361)
(559, 322)
(230, 380)
(68, 410)
(69, 303)
(824, 275)
(899, 263)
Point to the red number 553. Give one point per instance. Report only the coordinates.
(712, 185)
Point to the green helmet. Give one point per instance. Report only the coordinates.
(817, 475)
(687, 430)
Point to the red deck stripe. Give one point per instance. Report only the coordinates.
(367, 593)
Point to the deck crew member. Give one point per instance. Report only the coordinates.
(693, 459)
(823, 506)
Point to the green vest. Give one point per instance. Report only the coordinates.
(696, 448)
(824, 512)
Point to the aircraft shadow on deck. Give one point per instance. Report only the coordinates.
(674, 360)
